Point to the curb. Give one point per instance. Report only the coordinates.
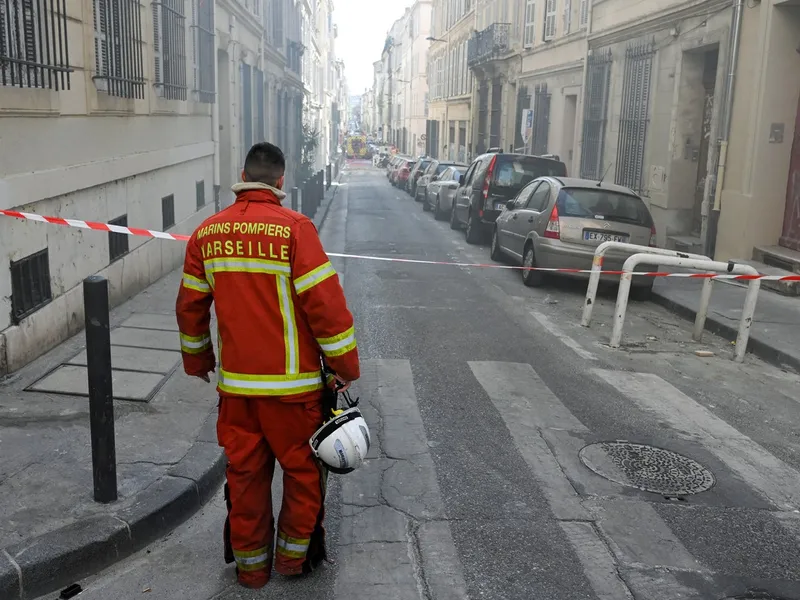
(56, 559)
(775, 357)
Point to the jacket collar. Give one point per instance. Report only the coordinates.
(257, 192)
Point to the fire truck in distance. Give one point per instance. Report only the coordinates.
(356, 146)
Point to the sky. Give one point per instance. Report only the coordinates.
(363, 26)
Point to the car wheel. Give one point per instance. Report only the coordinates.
(454, 224)
(473, 232)
(437, 210)
(416, 196)
(496, 253)
(425, 206)
(529, 277)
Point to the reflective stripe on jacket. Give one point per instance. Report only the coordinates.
(279, 303)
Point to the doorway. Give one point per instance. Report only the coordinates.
(710, 60)
(790, 236)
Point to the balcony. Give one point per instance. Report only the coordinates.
(492, 43)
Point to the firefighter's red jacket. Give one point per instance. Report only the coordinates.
(279, 304)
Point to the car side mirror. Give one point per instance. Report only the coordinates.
(460, 180)
(510, 204)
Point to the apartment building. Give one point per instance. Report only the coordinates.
(134, 113)
(449, 129)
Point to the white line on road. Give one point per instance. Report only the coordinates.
(545, 322)
(598, 564)
(766, 474)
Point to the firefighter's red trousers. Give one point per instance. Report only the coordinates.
(255, 432)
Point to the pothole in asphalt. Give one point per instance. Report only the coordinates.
(647, 468)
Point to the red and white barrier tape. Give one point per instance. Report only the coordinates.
(94, 225)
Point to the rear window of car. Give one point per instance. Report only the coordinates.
(410, 165)
(603, 204)
(518, 171)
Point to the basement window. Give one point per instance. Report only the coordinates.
(30, 285)
(200, 192)
(168, 211)
(117, 242)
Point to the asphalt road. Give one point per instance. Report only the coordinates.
(491, 406)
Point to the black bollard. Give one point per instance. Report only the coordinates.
(101, 395)
(329, 176)
(295, 192)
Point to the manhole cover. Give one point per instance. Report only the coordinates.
(647, 468)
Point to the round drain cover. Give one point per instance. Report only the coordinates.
(647, 468)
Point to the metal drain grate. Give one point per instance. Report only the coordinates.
(647, 468)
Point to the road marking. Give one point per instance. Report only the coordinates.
(394, 529)
(528, 407)
(598, 564)
(766, 474)
(545, 322)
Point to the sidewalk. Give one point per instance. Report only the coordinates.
(776, 327)
(52, 533)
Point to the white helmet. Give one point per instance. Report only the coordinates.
(343, 442)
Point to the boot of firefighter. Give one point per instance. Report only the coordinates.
(316, 550)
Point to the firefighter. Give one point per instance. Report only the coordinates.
(281, 311)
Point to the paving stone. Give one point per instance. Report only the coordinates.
(137, 359)
(73, 379)
(151, 321)
(145, 338)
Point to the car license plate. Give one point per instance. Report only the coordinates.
(499, 205)
(596, 236)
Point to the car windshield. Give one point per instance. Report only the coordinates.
(603, 204)
(519, 171)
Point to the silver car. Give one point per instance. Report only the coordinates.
(557, 222)
(441, 191)
(434, 169)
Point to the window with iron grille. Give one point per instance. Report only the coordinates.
(595, 108)
(169, 48)
(584, 20)
(203, 50)
(550, 12)
(33, 44)
(30, 284)
(260, 125)
(530, 23)
(634, 115)
(117, 242)
(541, 119)
(496, 119)
(118, 48)
(247, 110)
(200, 193)
(168, 211)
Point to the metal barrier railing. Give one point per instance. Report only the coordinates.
(704, 265)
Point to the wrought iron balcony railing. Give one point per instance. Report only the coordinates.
(492, 43)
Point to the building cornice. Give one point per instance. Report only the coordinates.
(575, 65)
(243, 16)
(659, 20)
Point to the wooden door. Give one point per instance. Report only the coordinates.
(791, 219)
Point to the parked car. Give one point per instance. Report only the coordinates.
(398, 165)
(558, 222)
(490, 182)
(416, 173)
(440, 192)
(393, 160)
(434, 170)
(401, 178)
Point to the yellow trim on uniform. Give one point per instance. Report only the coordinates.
(292, 547)
(195, 344)
(195, 283)
(247, 265)
(252, 560)
(245, 384)
(314, 277)
(290, 339)
(338, 344)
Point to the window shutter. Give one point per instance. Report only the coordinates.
(530, 32)
(101, 37)
(158, 54)
(550, 19)
(567, 16)
(584, 13)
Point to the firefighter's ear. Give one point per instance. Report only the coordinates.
(279, 185)
(244, 176)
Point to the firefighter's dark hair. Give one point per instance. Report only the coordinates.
(265, 163)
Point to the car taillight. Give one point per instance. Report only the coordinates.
(553, 229)
(489, 173)
(653, 236)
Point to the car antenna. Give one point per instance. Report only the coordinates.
(600, 183)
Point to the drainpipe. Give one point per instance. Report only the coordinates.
(725, 129)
